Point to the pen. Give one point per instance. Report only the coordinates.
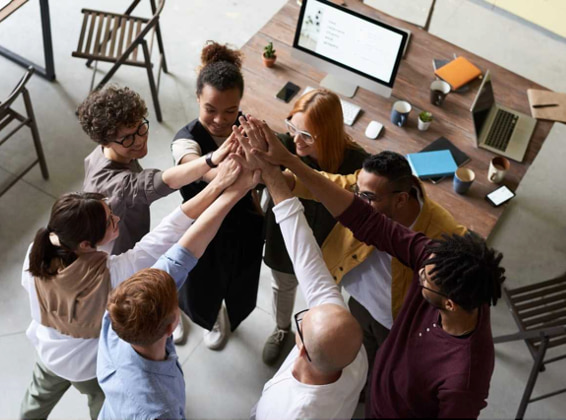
(544, 105)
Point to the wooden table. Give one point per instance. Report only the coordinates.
(453, 120)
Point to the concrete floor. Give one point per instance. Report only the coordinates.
(531, 233)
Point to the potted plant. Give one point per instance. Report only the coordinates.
(425, 118)
(269, 55)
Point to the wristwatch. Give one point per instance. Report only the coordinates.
(208, 159)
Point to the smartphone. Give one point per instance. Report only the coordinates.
(288, 91)
(499, 196)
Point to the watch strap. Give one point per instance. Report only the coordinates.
(208, 159)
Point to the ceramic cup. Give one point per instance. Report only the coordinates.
(463, 179)
(438, 91)
(498, 167)
(400, 112)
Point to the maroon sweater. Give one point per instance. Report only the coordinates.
(420, 370)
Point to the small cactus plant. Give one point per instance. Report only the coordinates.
(425, 116)
(269, 51)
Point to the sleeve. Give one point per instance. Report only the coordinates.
(345, 181)
(182, 147)
(29, 285)
(460, 404)
(314, 278)
(128, 188)
(178, 262)
(373, 228)
(152, 246)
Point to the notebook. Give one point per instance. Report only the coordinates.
(458, 72)
(547, 105)
(436, 163)
(442, 143)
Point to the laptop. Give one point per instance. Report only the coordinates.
(499, 129)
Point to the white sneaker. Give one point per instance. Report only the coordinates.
(216, 338)
(181, 331)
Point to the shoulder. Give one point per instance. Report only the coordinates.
(441, 220)
(187, 132)
(353, 159)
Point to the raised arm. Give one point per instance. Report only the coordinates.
(193, 167)
(334, 198)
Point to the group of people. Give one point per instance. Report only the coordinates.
(107, 294)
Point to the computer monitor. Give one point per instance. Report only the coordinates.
(353, 49)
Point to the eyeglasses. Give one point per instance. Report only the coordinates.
(307, 137)
(298, 322)
(369, 197)
(423, 279)
(130, 139)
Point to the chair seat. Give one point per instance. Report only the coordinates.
(105, 36)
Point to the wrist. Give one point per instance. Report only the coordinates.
(208, 160)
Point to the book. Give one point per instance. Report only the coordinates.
(442, 143)
(440, 62)
(432, 164)
(458, 72)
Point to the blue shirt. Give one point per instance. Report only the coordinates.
(136, 387)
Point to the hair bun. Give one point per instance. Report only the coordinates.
(213, 52)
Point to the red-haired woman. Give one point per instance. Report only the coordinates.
(316, 134)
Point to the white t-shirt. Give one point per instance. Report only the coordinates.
(73, 358)
(284, 397)
(370, 282)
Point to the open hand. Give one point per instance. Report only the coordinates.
(228, 172)
(230, 145)
(276, 153)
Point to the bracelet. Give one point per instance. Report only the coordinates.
(208, 159)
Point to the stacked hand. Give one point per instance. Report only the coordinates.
(229, 146)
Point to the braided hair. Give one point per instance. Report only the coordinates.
(466, 269)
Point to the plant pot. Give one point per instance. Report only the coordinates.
(269, 62)
(423, 126)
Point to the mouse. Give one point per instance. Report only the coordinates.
(373, 129)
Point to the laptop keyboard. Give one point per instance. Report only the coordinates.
(501, 130)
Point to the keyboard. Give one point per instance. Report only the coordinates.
(501, 130)
(349, 110)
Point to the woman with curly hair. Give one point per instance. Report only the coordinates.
(116, 119)
(229, 269)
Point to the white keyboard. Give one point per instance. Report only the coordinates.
(349, 110)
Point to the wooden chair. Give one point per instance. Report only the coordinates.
(8, 115)
(118, 39)
(540, 313)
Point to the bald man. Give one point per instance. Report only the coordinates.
(323, 375)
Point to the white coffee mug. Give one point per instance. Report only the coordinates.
(498, 167)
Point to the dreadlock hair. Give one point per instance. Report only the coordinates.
(466, 269)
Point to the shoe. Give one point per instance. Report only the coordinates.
(181, 331)
(274, 345)
(216, 337)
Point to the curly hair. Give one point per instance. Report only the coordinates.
(142, 307)
(466, 269)
(220, 68)
(107, 110)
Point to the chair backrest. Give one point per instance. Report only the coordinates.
(17, 90)
(152, 22)
(10, 8)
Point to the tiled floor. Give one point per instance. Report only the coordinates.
(226, 384)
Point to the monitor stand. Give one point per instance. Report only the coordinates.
(339, 85)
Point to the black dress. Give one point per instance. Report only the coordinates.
(229, 268)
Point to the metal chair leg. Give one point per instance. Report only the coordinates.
(152, 85)
(532, 378)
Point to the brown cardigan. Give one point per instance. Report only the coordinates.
(73, 302)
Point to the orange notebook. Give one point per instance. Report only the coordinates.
(458, 72)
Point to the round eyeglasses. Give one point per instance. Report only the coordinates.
(130, 139)
(294, 131)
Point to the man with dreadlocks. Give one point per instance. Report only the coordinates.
(438, 358)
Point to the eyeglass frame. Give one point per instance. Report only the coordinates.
(121, 142)
(307, 137)
(369, 199)
(299, 330)
(423, 278)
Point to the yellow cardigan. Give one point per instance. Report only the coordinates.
(342, 252)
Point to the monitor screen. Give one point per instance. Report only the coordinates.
(482, 104)
(350, 40)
